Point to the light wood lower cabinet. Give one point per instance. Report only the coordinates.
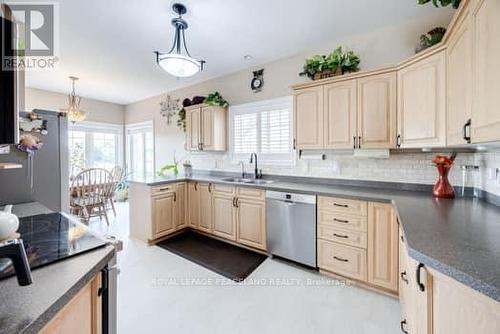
(224, 216)
(251, 222)
(193, 205)
(157, 211)
(205, 207)
(358, 239)
(81, 315)
(382, 246)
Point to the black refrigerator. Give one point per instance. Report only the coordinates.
(49, 182)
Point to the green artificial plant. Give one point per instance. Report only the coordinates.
(339, 61)
(215, 99)
(442, 3)
(173, 167)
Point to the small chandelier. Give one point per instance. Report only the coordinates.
(73, 112)
(175, 62)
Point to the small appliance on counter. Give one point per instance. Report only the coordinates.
(9, 223)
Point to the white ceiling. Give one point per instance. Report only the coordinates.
(109, 44)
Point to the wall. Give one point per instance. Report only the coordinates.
(377, 48)
(489, 163)
(98, 111)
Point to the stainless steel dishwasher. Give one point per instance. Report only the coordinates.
(291, 226)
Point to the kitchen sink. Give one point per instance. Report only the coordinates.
(248, 181)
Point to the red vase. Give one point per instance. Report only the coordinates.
(443, 188)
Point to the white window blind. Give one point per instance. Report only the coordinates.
(264, 128)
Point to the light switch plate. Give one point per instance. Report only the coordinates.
(4, 149)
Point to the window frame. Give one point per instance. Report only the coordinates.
(89, 128)
(280, 159)
(139, 127)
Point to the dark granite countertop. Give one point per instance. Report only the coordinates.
(459, 238)
(26, 309)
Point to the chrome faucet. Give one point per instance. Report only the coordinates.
(257, 174)
(242, 165)
(14, 250)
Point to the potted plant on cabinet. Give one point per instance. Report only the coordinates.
(337, 62)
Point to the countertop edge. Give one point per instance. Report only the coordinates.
(458, 275)
(49, 314)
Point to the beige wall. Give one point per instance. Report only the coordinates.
(98, 111)
(377, 48)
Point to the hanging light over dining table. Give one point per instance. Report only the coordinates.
(178, 62)
(73, 111)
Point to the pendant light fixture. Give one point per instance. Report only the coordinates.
(178, 62)
(73, 112)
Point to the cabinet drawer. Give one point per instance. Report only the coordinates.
(350, 222)
(250, 193)
(351, 238)
(343, 206)
(221, 189)
(163, 189)
(344, 260)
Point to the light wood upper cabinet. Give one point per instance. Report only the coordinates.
(251, 223)
(340, 114)
(382, 246)
(163, 214)
(223, 216)
(459, 81)
(194, 204)
(422, 102)
(193, 129)
(180, 200)
(206, 128)
(376, 117)
(486, 69)
(308, 118)
(205, 207)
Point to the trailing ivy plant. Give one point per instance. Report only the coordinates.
(338, 61)
(215, 99)
(442, 3)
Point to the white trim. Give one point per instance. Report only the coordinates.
(88, 127)
(130, 128)
(286, 102)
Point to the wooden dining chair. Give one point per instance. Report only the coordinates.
(118, 173)
(91, 189)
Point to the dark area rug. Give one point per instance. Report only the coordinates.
(230, 261)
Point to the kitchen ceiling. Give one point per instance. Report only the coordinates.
(109, 44)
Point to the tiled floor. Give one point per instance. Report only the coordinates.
(159, 292)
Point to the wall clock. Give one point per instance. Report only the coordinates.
(258, 81)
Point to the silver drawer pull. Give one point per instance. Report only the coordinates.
(340, 236)
(341, 221)
(340, 259)
(341, 205)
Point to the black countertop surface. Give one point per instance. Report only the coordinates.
(26, 309)
(460, 237)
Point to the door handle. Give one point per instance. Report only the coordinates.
(403, 326)
(359, 142)
(196, 186)
(398, 141)
(354, 139)
(340, 259)
(466, 126)
(294, 144)
(234, 202)
(403, 277)
(209, 187)
(341, 221)
(341, 205)
(421, 286)
(175, 196)
(340, 236)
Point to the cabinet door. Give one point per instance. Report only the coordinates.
(420, 305)
(205, 191)
(382, 246)
(193, 129)
(459, 80)
(180, 205)
(340, 114)
(207, 128)
(251, 223)
(193, 205)
(422, 102)
(377, 111)
(223, 216)
(486, 69)
(308, 114)
(163, 214)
